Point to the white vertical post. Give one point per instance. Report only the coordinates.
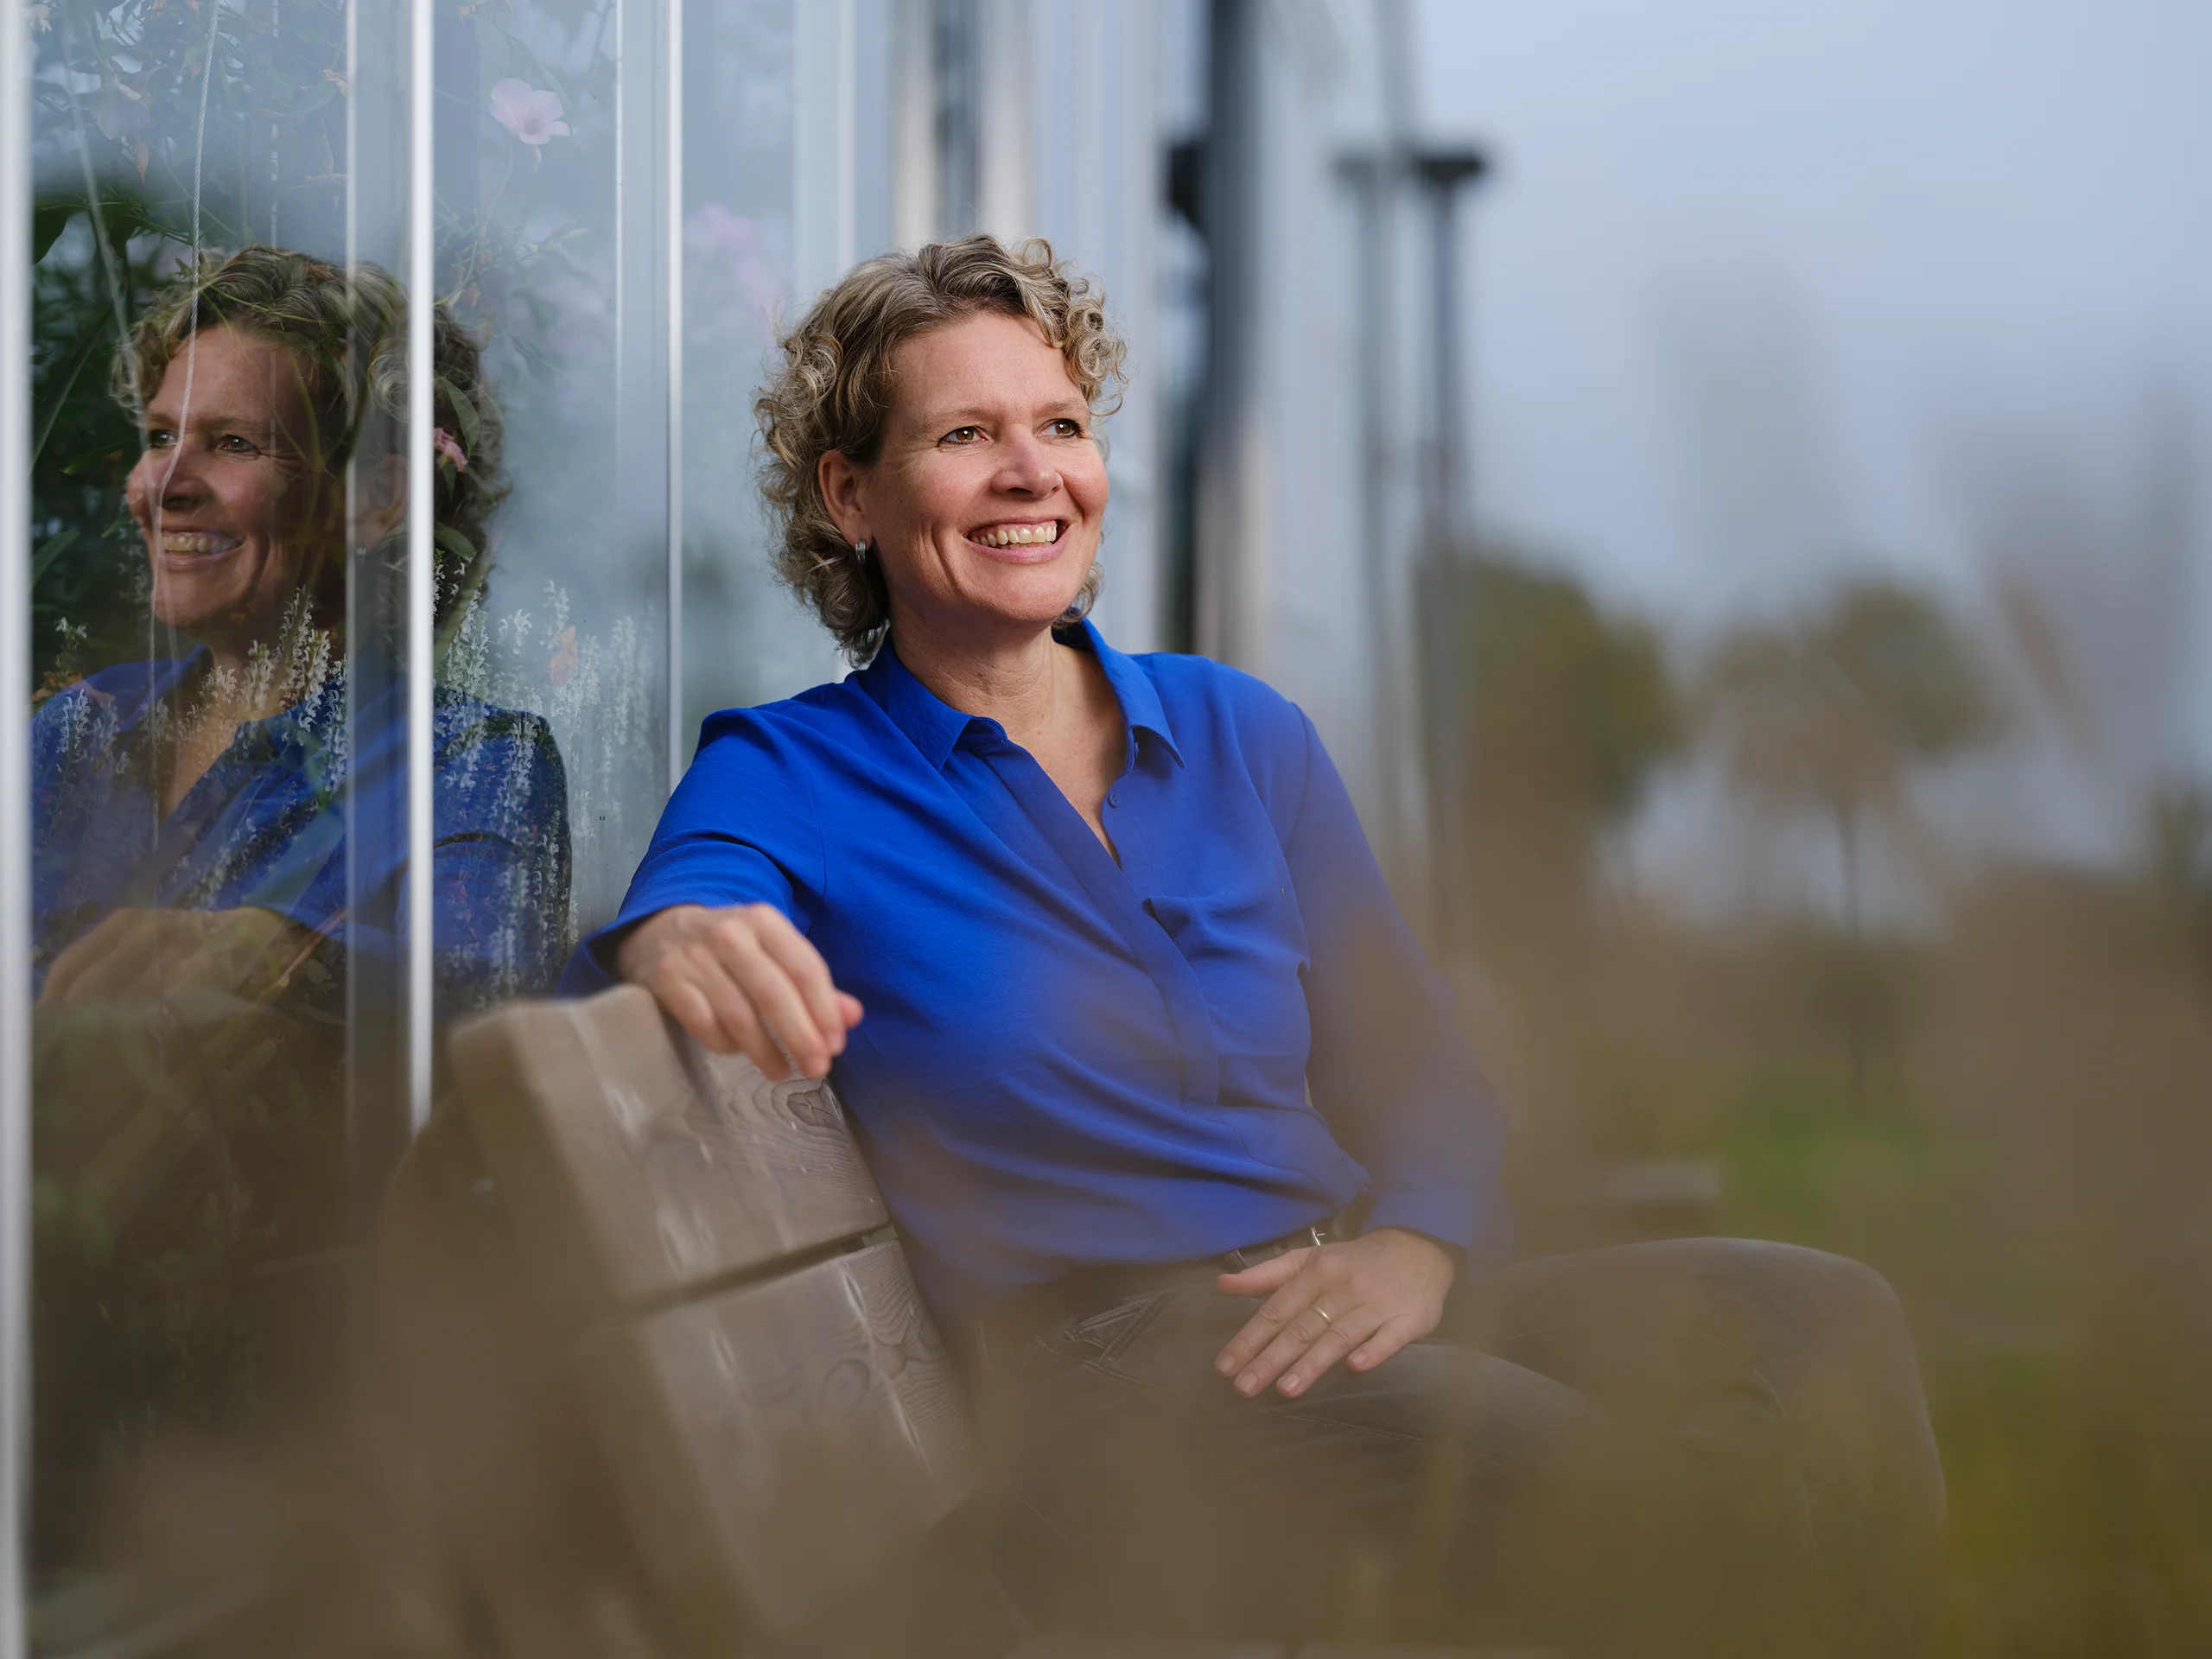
(672, 141)
(916, 162)
(825, 60)
(648, 321)
(848, 170)
(1002, 82)
(422, 552)
(14, 824)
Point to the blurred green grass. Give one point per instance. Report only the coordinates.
(2081, 1505)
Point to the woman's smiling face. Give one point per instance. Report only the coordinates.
(986, 502)
(235, 512)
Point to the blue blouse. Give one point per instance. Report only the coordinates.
(1066, 1061)
(266, 826)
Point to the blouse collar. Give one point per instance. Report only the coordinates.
(936, 728)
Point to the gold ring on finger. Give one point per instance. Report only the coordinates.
(1326, 1318)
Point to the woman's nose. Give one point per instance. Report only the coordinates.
(1028, 468)
(163, 476)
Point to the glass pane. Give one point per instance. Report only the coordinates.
(190, 590)
(551, 224)
(745, 640)
(221, 744)
(219, 358)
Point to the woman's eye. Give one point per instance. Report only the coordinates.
(963, 435)
(160, 437)
(1067, 427)
(231, 444)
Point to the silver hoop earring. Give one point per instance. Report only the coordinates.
(860, 552)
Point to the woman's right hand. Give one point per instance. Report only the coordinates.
(743, 980)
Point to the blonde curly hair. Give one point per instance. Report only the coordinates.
(834, 392)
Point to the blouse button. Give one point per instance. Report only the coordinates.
(1113, 798)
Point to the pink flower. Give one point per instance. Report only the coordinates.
(442, 442)
(532, 115)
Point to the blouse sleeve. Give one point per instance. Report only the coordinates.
(1390, 1070)
(741, 829)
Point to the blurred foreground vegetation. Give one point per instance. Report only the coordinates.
(2002, 1099)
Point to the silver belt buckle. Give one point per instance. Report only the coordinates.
(1243, 1257)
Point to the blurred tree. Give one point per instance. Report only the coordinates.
(1571, 712)
(2176, 858)
(1568, 711)
(2178, 835)
(1832, 713)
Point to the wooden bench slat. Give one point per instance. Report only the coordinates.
(637, 1166)
(780, 1442)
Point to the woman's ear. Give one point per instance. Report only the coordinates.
(839, 481)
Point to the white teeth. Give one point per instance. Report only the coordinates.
(1020, 536)
(197, 541)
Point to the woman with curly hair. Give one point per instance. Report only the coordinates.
(190, 810)
(1179, 1127)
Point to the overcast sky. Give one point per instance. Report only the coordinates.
(1763, 288)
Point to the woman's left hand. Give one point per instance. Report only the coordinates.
(1367, 1299)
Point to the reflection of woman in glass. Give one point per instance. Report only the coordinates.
(190, 810)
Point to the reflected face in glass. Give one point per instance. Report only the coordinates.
(987, 500)
(235, 512)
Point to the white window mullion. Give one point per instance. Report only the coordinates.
(672, 274)
(14, 827)
(422, 553)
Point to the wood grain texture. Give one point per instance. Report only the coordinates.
(637, 1166)
(774, 1446)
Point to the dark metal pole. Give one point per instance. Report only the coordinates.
(1230, 213)
(1445, 614)
(1445, 173)
(1373, 177)
(956, 45)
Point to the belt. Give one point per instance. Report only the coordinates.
(1004, 1328)
(1321, 1232)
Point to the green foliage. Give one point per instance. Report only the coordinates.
(1574, 710)
(88, 571)
(229, 118)
(1568, 712)
(1834, 710)
(1833, 713)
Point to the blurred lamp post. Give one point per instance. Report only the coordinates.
(1229, 437)
(1442, 174)
(1444, 576)
(1372, 176)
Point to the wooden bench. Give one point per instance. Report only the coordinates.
(677, 1391)
(670, 1364)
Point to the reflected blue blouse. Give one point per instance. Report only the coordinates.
(266, 826)
(1067, 1061)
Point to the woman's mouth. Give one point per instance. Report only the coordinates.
(185, 544)
(1023, 541)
